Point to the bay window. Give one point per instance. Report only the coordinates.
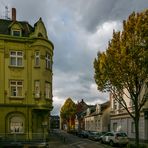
(37, 58)
(37, 88)
(48, 61)
(47, 90)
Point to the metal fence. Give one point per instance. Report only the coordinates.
(16, 137)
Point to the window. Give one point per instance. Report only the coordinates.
(48, 61)
(16, 124)
(37, 89)
(37, 58)
(120, 106)
(16, 58)
(115, 127)
(16, 32)
(47, 90)
(115, 104)
(98, 107)
(133, 127)
(16, 88)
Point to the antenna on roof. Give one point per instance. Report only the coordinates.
(6, 13)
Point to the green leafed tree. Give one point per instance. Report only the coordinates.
(68, 111)
(123, 68)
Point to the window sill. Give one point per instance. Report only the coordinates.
(16, 98)
(19, 67)
(21, 133)
(37, 98)
(48, 99)
(37, 66)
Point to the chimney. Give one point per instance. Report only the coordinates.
(13, 14)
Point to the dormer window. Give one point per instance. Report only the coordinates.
(16, 32)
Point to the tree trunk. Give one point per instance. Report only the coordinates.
(70, 123)
(68, 128)
(137, 131)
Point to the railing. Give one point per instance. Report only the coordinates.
(23, 137)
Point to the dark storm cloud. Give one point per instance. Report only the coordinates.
(78, 30)
(95, 12)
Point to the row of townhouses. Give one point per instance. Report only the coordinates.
(111, 116)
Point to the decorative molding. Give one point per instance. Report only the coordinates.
(42, 56)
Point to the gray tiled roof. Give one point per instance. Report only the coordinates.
(4, 27)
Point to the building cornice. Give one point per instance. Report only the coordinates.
(24, 39)
(35, 106)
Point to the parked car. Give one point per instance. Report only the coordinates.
(100, 135)
(113, 138)
(83, 134)
(95, 135)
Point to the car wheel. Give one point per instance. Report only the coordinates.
(111, 143)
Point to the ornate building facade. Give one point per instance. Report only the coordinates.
(26, 57)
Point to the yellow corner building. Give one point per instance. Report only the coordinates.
(26, 58)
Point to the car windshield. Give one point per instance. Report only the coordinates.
(93, 133)
(121, 135)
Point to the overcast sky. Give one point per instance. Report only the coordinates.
(78, 30)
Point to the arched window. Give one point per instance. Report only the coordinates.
(16, 123)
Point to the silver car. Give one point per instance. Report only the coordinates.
(113, 138)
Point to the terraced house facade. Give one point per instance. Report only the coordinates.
(26, 57)
(120, 120)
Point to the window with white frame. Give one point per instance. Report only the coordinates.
(16, 58)
(47, 90)
(16, 88)
(37, 88)
(16, 124)
(48, 61)
(37, 58)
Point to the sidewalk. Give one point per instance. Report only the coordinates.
(57, 142)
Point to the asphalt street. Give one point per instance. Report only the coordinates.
(61, 139)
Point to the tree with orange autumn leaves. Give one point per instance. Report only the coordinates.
(68, 112)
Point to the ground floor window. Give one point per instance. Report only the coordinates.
(133, 127)
(16, 124)
(115, 126)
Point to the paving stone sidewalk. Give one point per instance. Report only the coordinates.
(57, 142)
